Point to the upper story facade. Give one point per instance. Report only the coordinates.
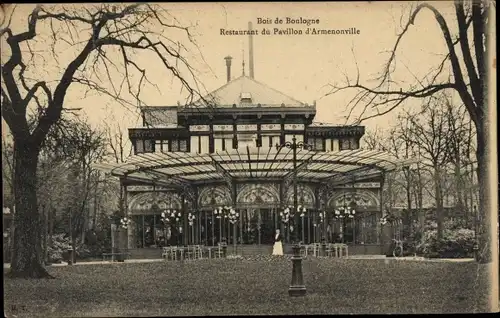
(242, 113)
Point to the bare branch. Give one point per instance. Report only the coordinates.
(382, 99)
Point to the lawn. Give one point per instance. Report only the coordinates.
(250, 286)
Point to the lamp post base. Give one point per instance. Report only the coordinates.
(297, 291)
(297, 287)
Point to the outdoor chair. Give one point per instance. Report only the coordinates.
(198, 252)
(315, 248)
(340, 248)
(165, 253)
(303, 250)
(219, 251)
(189, 254)
(173, 252)
(330, 250)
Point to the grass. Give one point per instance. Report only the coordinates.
(251, 287)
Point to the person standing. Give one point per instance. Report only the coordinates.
(278, 245)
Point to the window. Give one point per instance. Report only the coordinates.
(183, 145)
(174, 145)
(204, 144)
(228, 143)
(318, 144)
(269, 141)
(219, 144)
(344, 144)
(148, 145)
(276, 140)
(258, 141)
(157, 146)
(161, 146)
(329, 145)
(139, 146)
(195, 144)
(354, 144)
(349, 143)
(246, 98)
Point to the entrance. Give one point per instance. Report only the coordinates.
(150, 231)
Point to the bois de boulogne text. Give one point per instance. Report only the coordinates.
(290, 26)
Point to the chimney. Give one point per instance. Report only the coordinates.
(250, 42)
(228, 66)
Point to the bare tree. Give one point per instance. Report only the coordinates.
(95, 32)
(119, 143)
(429, 133)
(460, 147)
(469, 81)
(374, 140)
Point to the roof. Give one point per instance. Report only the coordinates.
(246, 87)
(185, 169)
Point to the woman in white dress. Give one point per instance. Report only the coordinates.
(278, 246)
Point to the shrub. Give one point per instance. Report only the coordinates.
(455, 243)
(59, 247)
(61, 243)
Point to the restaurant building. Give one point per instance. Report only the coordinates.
(220, 170)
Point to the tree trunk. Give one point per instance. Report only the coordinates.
(439, 201)
(484, 211)
(409, 216)
(459, 186)
(71, 228)
(52, 215)
(45, 235)
(27, 258)
(420, 199)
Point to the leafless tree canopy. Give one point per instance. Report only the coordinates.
(440, 135)
(94, 46)
(468, 74)
(466, 56)
(106, 39)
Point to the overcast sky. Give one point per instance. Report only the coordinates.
(299, 66)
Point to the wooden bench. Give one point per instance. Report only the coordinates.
(104, 255)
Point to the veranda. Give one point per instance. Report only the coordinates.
(242, 196)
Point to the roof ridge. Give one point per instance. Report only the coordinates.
(219, 89)
(277, 91)
(212, 96)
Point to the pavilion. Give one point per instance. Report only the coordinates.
(233, 164)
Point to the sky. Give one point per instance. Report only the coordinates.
(301, 66)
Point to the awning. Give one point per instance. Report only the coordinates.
(181, 168)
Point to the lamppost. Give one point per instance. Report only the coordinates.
(343, 213)
(322, 216)
(302, 211)
(191, 218)
(285, 219)
(218, 215)
(222, 213)
(171, 217)
(297, 287)
(233, 218)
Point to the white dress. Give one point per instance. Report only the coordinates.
(278, 246)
